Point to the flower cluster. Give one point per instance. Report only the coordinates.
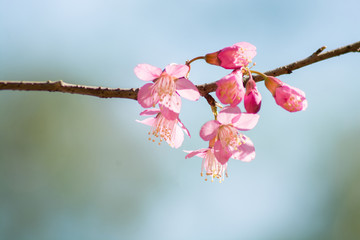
(223, 134)
(165, 89)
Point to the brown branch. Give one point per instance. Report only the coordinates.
(204, 89)
(315, 57)
(60, 86)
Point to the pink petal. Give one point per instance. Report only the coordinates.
(170, 106)
(168, 114)
(145, 98)
(147, 121)
(187, 89)
(184, 128)
(200, 153)
(250, 49)
(290, 98)
(230, 89)
(177, 139)
(221, 153)
(149, 112)
(227, 114)
(245, 152)
(237, 55)
(177, 70)
(246, 121)
(209, 130)
(147, 72)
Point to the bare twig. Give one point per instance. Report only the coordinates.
(60, 86)
(320, 50)
(310, 60)
(204, 89)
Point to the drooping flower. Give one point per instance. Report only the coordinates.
(166, 87)
(230, 89)
(228, 140)
(236, 56)
(252, 98)
(209, 163)
(171, 131)
(290, 98)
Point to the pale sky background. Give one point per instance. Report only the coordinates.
(80, 167)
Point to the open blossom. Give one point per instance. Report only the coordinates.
(290, 98)
(229, 142)
(209, 163)
(233, 57)
(252, 98)
(166, 87)
(230, 89)
(171, 131)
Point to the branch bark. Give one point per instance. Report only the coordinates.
(204, 89)
(60, 86)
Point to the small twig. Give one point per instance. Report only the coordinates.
(211, 101)
(317, 52)
(204, 89)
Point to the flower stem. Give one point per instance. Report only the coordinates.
(194, 59)
(259, 73)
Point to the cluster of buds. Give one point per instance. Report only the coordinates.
(223, 134)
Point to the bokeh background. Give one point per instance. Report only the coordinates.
(80, 167)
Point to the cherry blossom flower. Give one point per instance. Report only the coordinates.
(230, 89)
(252, 99)
(171, 131)
(290, 98)
(233, 57)
(209, 163)
(228, 140)
(166, 88)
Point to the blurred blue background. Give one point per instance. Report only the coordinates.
(80, 167)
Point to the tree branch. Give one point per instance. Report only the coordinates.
(204, 89)
(60, 86)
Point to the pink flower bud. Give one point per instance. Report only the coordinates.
(236, 56)
(290, 98)
(252, 99)
(230, 89)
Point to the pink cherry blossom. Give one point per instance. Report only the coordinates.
(252, 99)
(225, 130)
(209, 163)
(169, 130)
(230, 89)
(165, 88)
(290, 98)
(233, 57)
